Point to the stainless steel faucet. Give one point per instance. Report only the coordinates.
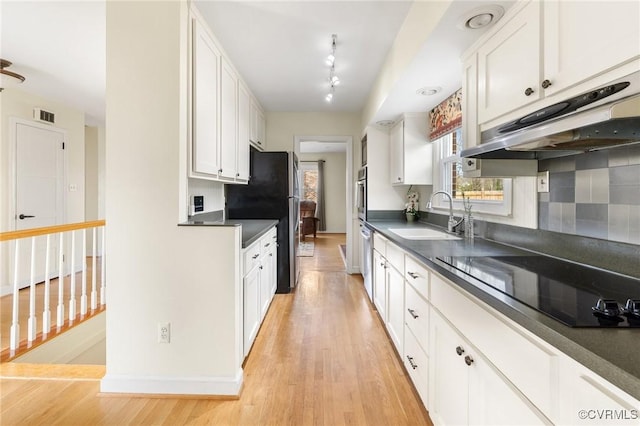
(451, 225)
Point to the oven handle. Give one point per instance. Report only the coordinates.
(359, 183)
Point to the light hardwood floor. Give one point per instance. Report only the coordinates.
(322, 357)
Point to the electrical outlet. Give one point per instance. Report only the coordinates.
(543, 181)
(164, 332)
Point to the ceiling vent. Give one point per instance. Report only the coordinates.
(44, 116)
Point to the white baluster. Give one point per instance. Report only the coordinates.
(103, 268)
(32, 322)
(94, 272)
(15, 326)
(83, 295)
(60, 310)
(72, 275)
(46, 313)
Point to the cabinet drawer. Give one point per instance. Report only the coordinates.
(416, 362)
(531, 365)
(416, 316)
(251, 257)
(266, 243)
(380, 244)
(395, 256)
(418, 276)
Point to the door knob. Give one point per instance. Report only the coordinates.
(24, 216)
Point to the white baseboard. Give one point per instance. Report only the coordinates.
(206, 385)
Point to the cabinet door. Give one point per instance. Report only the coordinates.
(493, 400)
(380, 285)
(262, 128)
(251, 308)
(607, 35)
(470, 130)
(509, 66)
(206, 65)
(228, 120)
(395, 306)
(244, 130)
(265, 286)
(396, 153)
(448, 375)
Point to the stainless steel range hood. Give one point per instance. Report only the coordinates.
(604, 126)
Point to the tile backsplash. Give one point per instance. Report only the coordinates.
(596, 194)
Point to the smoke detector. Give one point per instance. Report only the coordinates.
(428, 91)
(385, 123)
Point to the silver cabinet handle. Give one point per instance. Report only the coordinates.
(267, 245)
(413, 313)
(468, 360)
(413, 275)
(459, 350)
(413, 364)
(255, 256)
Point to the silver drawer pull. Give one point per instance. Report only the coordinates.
(413, 313)
(413, 275)
(255, 256)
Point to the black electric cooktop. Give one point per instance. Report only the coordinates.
(576, 295)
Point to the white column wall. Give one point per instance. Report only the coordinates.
(157, 271)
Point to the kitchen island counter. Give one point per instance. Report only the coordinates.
(610, 352)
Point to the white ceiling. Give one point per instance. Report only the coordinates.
(279, 48)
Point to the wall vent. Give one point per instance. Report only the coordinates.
(44, 116)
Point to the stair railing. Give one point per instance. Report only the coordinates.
(42, 274)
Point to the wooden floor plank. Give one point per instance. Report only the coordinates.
(322, 357)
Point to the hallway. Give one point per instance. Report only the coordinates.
(321, 357)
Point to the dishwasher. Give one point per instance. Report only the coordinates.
(366, 255)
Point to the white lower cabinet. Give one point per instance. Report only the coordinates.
(467, 389)
(251, 308)
(470, 364)
(395, 306)
(380, 284)
(259, 284)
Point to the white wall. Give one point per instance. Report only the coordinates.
(20, 104)
(16, 103)
(158, 271)
(335, 168)
(213, 193)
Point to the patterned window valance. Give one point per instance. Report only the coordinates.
(446, 117)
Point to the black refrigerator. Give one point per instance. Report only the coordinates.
(272, 193)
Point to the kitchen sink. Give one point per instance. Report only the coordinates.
(422, 234)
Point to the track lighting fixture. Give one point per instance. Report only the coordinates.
(331, 62)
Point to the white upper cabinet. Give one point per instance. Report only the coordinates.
(410, 152)
(244, 130)
(228, 120)
(205, 90)
(583, 39)
(224, 114)
(257, 126)
(508, 65)
(546, 51)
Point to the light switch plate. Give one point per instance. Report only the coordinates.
(543, 181)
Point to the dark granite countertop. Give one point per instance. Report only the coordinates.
(252, 229)
(614, 354)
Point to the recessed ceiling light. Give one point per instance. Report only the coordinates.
(481, 17)
(428, 91)
(385, 123)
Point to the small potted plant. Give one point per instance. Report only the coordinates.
(412, 206)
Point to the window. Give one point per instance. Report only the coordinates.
(309, 172)
(488, 195)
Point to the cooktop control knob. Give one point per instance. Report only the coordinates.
(607, 307)
(632, 307)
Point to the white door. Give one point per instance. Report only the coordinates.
(39, 192)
